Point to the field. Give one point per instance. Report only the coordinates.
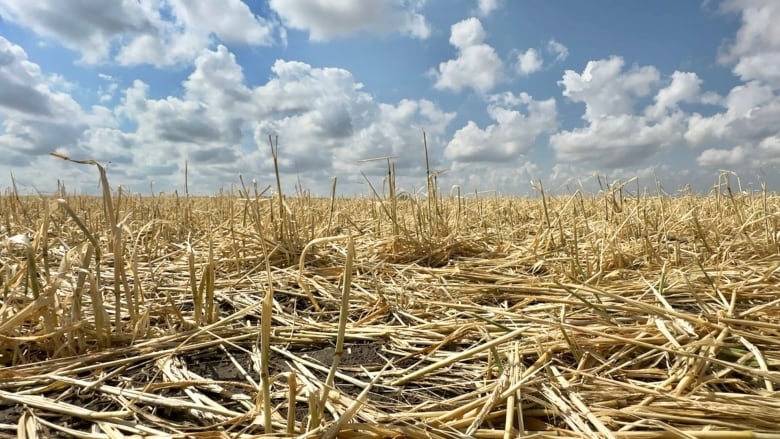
(617, 313)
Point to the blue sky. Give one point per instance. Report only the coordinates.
(507, 92)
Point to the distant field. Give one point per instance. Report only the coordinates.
(606, 314)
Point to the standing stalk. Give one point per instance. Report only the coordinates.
(342, 329)
(265, 343)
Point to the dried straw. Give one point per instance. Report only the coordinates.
(616, 314)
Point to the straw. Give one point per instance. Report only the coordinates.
(615, 313)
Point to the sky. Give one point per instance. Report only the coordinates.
(508, 92)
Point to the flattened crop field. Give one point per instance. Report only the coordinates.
(611, 314)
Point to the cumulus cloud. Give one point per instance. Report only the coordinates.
(751, 114)
(605, 89)
(157, 32)
(326, 20)
(312, 110)
(722, 157)
(38, 136)
(477, 65)
(24, 91)
(218, 82)
(36, 117)
(529, 62)
(771, 145)
(511, 136)
(684, 87)
(219, 124)
(327, 122)
(395, 131)
(615, 135)
(231, 21)
(617, 141)
(532, 61)
(755, 52)
(177, 123)
(486, 7)
(744, 131)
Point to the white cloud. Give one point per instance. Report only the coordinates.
(218, 82)
(231, 21)
(755, 52)
(87, 27)
(618, 141)
(206, 126)
(771, 145)
(184, 122)
(395, 130)
(564, 172)
(751, 114)
(219, 124)
(614, 135)
(605, 89)
(557, 49)
(326, 20)
(744, 134)
(477, 65)
(36, 117)
(767, 152)
(326, 121)
(158, 32)
(529, 62)
(35, 137)
(467, 33)
(723, 158)
(107, 92)
(684, 87)
(25, 92)
(643, 173)
(486, 7)
(510, 137)
(513, 178)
